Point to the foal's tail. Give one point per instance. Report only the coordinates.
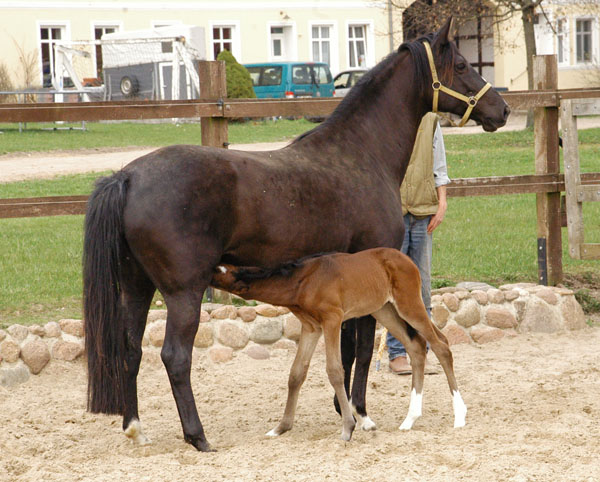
(105, 333)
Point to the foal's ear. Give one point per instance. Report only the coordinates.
(446, 33)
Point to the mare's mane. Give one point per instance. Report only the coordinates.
(372, 82)
(285, 270)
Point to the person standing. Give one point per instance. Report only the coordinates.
(424, 205)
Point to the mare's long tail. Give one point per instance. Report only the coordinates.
(105, 332)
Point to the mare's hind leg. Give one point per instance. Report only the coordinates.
(306, 347)
(365, 339)
(183, 316)
(136, 295)
(416, 348)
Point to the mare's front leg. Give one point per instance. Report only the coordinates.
(365, 340)
(348, 349)
(183, 316)
(306, 347)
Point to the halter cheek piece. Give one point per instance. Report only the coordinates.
(437, 86)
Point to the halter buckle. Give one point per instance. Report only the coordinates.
(436, 85)
(472, 101)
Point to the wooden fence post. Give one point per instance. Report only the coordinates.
(547, 161)
(213, 85)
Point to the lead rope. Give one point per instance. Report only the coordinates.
(437, 86)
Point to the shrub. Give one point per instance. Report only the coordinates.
(239, 83)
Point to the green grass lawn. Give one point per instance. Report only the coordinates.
(41, 137)
(491, 239)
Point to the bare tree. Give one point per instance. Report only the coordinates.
(28, 69)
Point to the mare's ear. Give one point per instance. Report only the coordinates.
(446, 33)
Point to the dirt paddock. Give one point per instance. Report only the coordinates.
(533, 400)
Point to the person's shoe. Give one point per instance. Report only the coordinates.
(400, 366)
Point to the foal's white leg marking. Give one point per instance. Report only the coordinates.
(414, 410)
(272, 433)
(134, 432)
(460, 410)
(364, 423)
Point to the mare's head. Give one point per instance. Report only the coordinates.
(456, 74)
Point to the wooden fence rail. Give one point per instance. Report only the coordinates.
(214, 111)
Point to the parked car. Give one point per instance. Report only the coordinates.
(290, 79)
(345, 80)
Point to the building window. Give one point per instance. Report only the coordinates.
(357, 45)
(49, 35)
(99, 31)
(562, 39)
(277, 42)
(222, 40)
(321, 51)
(583, 36)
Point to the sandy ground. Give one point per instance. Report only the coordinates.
(20, 166)
(534, 403)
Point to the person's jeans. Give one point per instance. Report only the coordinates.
(418, 246)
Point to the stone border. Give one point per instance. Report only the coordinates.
(467, 313)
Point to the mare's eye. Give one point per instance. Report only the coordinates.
(461, 66)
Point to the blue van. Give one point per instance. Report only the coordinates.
(277, 80)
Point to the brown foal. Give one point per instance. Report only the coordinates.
(323, 291)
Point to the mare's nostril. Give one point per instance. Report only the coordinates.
(506, 111)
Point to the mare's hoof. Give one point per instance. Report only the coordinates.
(135, 434)
(201, 445)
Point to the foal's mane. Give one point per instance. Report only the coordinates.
(373, 81)
(285, 270)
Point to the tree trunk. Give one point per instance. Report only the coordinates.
(527, 16)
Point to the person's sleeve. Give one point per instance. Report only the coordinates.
(440, 169)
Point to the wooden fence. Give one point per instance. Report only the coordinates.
(215, 109)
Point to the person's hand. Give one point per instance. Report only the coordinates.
(437, 218)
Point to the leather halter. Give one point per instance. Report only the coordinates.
(437, 86)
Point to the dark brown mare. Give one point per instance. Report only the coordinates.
(323, 291)
(168, 218)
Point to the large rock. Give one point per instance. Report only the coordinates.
(480, 296)
(267, 310)
(572, 313)
(204, 336)
(258, 352)
(540, 317)
(2, 335)
(232, 335)
(451, 301)
(9, 351)
(247, 313)
(292, 327)
(495, 296)
(18, 332)
(547, 295)
(440, 316)
(36, 355)
(224, 312)
(220, 354)
(266, 330)
(154, 315)
(156, 332)
(52, 329)
(66, 350)
(455, 334)
(468, 314)
(11, 376)
(484, 334)
(500, 318)
(72, 327)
